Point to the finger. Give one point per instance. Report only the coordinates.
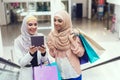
(42, 47)
(31, 47)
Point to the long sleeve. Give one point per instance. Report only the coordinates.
(77, 47)
(20, 57)
(42, 58)
(52, 49)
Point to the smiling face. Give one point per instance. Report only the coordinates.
(32, 27)
(58, 23)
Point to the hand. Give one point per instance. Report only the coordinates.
(50, 45)
(42, 49)
(72, 37)
(32, 49)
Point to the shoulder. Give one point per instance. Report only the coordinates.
(52, 33)
(18, 40)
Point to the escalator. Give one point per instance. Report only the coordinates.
(8, 70)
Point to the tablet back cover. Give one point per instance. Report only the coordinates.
(37, 40)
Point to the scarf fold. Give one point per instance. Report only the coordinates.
(60, 40)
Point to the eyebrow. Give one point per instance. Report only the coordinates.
(58, 19)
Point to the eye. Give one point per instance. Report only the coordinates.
(35, 24)
(30, 24)
(60, 20)
(54, 20)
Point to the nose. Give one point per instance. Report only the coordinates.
(34, 26)
(56, 22)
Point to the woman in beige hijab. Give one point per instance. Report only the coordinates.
(65, 47)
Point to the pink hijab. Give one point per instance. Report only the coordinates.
(60, 40)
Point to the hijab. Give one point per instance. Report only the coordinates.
(24, 40)
(60, 40)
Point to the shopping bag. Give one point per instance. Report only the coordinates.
(97, 48)
(55, 64)
(90, 54)
(84, 58)
(45, 72)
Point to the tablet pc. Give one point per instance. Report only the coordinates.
(37, 40)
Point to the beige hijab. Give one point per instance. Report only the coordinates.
(60, 40)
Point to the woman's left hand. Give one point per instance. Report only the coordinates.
(42, 49)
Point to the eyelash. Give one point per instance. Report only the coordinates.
(31, 24)
(59, 20)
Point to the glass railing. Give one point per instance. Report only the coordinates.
(8, 70)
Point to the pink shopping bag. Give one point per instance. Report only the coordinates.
(45, 73)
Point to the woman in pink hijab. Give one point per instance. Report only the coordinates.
(65, 47)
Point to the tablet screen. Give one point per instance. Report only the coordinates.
(37, 40)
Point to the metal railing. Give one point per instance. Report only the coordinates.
(103, 63)
(7, 74)
(8, 70)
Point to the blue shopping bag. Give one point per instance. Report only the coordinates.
(84, 58)
(89, 55)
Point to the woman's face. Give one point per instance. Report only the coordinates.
(58, 23)
(32, 27)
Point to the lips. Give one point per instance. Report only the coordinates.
(33, 30)
(57, 26)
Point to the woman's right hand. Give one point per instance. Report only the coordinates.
(72, 37)
(32, 49)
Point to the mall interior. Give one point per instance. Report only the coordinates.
(99, 19)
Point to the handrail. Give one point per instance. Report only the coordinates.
(102, 63)
(99, 64)
(7, 70)
(4, 61)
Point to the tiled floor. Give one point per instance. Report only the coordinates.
(97, 31)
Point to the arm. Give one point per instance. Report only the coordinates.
(42, 52)
(50, 45)
(22, 58)
(76, 45)
(43, 57)
(51, 49)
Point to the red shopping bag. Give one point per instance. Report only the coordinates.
(45, 73)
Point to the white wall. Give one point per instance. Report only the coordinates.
(23, 0)
(84, 2)
(2, 12)
(117, 13)
(114, 1)
(89, 9)
(1, 44)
